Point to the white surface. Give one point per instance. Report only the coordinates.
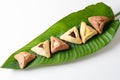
(23, 20)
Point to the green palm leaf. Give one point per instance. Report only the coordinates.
(76, 51)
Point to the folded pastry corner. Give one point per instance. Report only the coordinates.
(42, 49)
(24, 58)
(86, 32)
(72, 36)
(98, 22)
(58, 45)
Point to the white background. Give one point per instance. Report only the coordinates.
(23, 20)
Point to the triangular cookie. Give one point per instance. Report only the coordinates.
(72, 36)
(42, 49)
(98, 22)
(58, 45)
(86, 32)
(24, 58)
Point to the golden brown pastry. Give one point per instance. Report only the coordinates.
(72, 36)
(42, 49)
(86, 32)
